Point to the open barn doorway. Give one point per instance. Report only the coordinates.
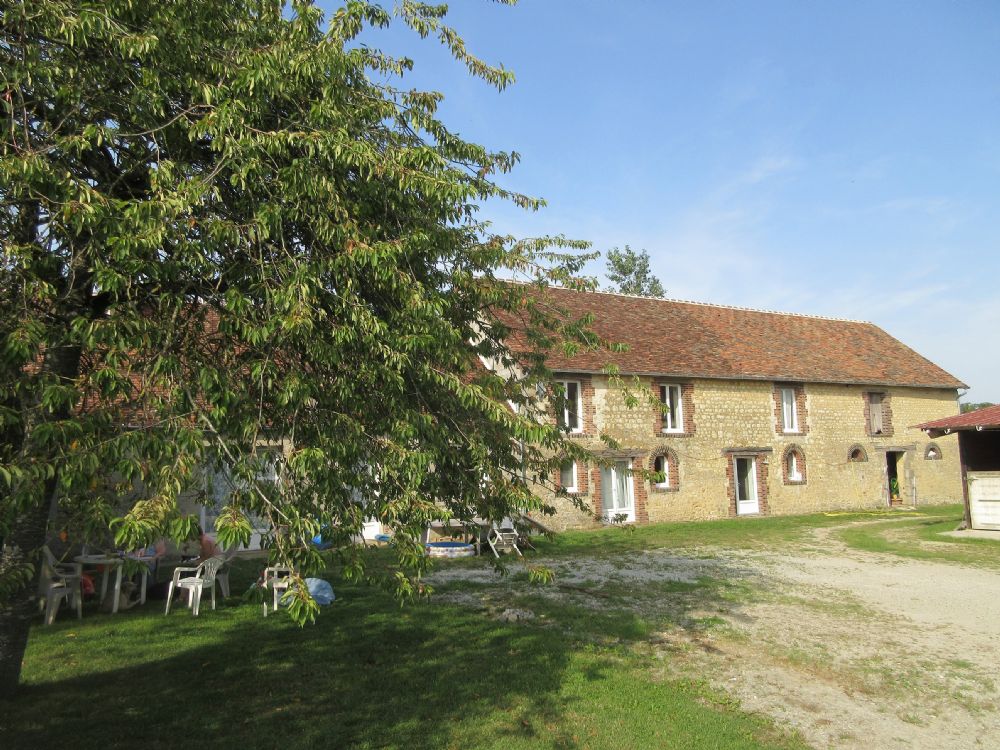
(893, 465)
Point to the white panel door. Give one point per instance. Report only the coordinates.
(984, 499)
(745, 471)
(617, 491)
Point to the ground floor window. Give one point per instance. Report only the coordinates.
(617, 492)
(664, 463)
(567, 476)
(794, 465)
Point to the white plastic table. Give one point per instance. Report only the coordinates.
(116, 562)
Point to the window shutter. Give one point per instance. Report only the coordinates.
(572, 405)
(875, 412)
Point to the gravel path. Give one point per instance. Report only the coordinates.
(855, 650)
(859, 650)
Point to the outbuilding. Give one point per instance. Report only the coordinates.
(979, 454)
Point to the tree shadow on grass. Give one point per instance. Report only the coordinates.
(369, 675)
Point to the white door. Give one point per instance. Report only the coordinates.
(746, 485)
(616, 491)
(984, 499)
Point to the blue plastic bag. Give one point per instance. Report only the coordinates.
(320, 590)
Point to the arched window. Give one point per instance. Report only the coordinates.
(664, 463)
(933, 452)
(794, 465)
(856, 454)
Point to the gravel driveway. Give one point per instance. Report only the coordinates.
(862, 650)
(852, 649)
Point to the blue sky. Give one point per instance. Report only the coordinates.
(827, 158)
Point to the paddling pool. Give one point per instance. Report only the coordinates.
(450, 549)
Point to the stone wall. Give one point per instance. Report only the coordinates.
(727, 417)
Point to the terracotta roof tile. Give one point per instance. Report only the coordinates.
(693, 339)
(985, 418)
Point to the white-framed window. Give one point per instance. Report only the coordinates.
(617, 492)
(567, 476)
(661, 465)
(875, 426)
(570, 414)
(673, 417)
(789, 414)
(794, 469)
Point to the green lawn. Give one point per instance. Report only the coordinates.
(924, 539)
(742, 533)
(369, 674)
(372, 674)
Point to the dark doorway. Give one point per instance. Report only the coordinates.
(894, 485)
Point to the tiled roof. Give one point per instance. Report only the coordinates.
(693, 339)
(985, 418)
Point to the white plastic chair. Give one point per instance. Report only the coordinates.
(203, 578)
(222, 575)
(277, 578)
(503, 538)
(59, 581)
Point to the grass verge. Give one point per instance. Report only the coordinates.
(925, 538)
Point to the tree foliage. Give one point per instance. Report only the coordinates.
(228, 228)
(973, 406)
(630, 274)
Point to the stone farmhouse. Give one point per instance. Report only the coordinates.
(768, 413)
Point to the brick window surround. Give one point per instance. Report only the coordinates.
(687, 409)
(933, 452)
(639, 495)
(588, 410)
(800, 460)
(857, 454)
(673, 470)
(886, 414)
(763, 457)
(801, 416)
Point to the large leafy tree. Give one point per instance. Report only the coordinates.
(226, 225)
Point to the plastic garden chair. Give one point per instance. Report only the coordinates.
(203, 578)
(503, 538)
(59, 581)
(222, 575)
(276, 578)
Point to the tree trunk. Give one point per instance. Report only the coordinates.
(26, 539)
(18, 609)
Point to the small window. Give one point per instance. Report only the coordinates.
(673, 419)
(569, 415)
(794, 467)
(875, 425)
(933, 452)
(567, 476)
(856, 454)
(661, 465)
(789, 413)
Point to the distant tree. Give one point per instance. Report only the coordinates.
(629, 270)
(973, 406)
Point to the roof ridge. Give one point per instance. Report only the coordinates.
(707, 304)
